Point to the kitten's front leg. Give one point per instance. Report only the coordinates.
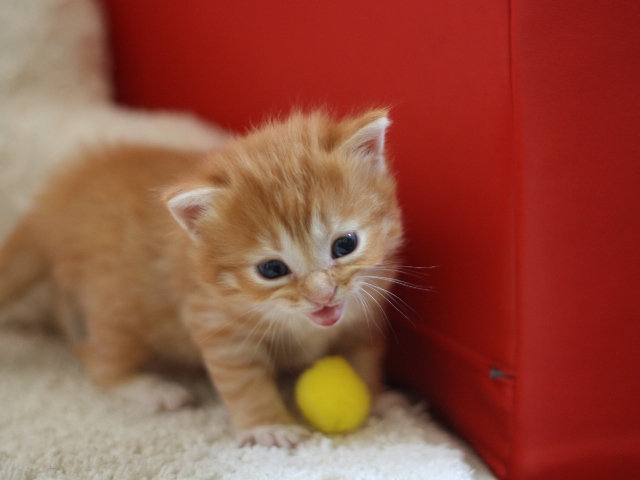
(238, 367)
(367, 362)
(254, 403)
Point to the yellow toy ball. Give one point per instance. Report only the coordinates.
(332, 397)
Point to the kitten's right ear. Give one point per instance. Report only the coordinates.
(366, 136)
(187, 207)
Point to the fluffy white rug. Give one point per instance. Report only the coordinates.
(55, 425)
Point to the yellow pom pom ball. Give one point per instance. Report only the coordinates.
(332, 397)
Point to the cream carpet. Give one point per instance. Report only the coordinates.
(55, 425)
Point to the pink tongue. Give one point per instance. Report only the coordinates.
(327, 316)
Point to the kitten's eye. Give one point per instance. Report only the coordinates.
(344, 245)
(273, 269)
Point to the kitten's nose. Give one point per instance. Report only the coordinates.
(322, 299)
(318, 288)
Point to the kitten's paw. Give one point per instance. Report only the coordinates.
(389, 400)
(287, 436)
(155, 393)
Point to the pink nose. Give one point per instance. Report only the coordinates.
(321, 299)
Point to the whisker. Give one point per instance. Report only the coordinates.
(369, 312)
(272, 341)
(395, 298)
(296, 337)
(279, 334)
(262, 317)
(400, 282)
(225, 325)
(367, 307)
(405, 271)
(401, 271)
(290, 341)
(379, 307)
(366, 310)
(390, 293)
(389, 300)
(266, 332)
(387, 321)
(410, 267)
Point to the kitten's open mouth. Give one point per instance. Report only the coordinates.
(327, 316)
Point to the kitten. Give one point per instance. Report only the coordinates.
(258, 258)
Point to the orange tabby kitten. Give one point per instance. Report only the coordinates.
(254, 259)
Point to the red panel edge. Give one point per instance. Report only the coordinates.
(517, 234)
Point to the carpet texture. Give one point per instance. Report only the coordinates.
(55, 425)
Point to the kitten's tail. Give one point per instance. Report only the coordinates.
(21, 262)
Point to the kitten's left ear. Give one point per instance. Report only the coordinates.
(368, 139)
(189, 206)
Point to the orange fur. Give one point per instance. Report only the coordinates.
(139, 285)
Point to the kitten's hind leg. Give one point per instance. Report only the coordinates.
(113, 358)
(154, 392)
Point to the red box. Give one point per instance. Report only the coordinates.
(516, 139)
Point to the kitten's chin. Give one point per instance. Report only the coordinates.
(327, 316)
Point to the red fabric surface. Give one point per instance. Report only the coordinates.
(577, 104)
(515, 139)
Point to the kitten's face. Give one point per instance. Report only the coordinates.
(294, 216)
